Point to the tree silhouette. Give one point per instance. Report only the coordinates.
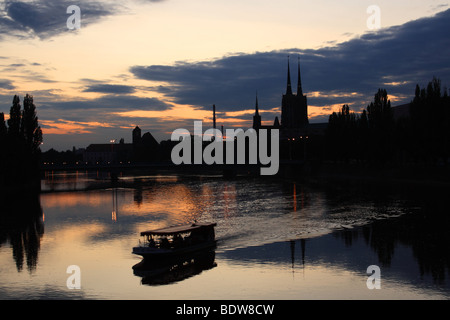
(3, 128)
(363, 137)
(380, 111)
(381, 124)
(20, 144)
(342, 134)
(3, 136)
(30, 130)
(15, 116)
(376, 137)
(430, 121)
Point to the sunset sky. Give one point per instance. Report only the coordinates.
(161, 64)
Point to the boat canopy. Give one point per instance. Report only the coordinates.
(178, 229)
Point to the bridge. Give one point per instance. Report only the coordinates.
(224, 169)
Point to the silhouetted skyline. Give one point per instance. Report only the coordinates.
(166, 70)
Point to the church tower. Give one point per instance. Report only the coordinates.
(294, 111)
(294, 108)
(137, 135)
(214, 116)
(256, 117)
(302, 100)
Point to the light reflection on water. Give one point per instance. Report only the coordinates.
(275, 240)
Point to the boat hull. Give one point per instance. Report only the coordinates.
(149, 253)
(167, 271)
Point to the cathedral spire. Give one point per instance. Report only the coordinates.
(256, 117)
(289, 87)
(299, 85)
(214, 116)
(256, 105)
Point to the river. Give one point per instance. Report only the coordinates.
(276, 239)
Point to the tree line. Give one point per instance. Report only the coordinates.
(377, 137)
(20, 141)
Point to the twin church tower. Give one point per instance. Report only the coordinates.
(294, 111)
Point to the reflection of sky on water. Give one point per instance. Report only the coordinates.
(256, 219)
(400, 279)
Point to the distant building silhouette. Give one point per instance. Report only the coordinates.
(108, 153)
(294, 108)
(256, 117)
(137, 135)
(294, 112)
(145, 148)
(149, 141)
(257, 120)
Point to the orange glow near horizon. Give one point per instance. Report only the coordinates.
(71, 127)
(124, 203)
(66, 200)
(180, 112)
(239, 113)
(321, 94)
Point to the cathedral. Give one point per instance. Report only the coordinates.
(294, 111)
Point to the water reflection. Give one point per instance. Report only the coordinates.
(424, 235)
(114, 205)
(424, 230)
(174, 270)
(264, 227)
(21, 225)
(411, 248)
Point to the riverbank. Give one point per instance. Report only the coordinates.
(434, 176)
(324, 173)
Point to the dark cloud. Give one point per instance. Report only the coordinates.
(50, 106)
(45, 19)
(110, 88)
(16, 65)
(6, 84)
(229, 82)
(110, 103)
(396, 58)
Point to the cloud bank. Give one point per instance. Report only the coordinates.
(396, 58)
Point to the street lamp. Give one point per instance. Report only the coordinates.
(112, 141)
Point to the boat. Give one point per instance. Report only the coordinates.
(176, 241)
